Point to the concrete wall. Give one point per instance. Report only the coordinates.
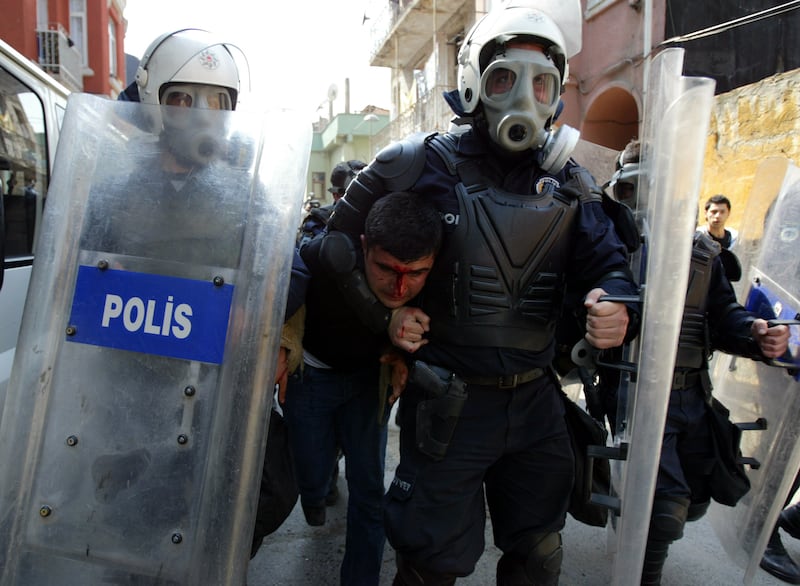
(748, 126)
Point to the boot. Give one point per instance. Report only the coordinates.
(777, 562)
(789, 520)
(654, 557)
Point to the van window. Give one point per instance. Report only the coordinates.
(23, 166)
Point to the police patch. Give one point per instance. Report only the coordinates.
(546, 184)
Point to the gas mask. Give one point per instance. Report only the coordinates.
(520, 91)
(192, 127)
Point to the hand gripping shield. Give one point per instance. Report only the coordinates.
(676, 121)
(134, 429)
(758, 391)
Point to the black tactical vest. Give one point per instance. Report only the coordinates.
(499, 281)
(693, 343)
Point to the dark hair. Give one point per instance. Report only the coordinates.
(718, 199)
(404, 224)
(343, 173)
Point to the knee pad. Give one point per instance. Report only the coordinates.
(668, 518)
(697, 510)
(541, 564)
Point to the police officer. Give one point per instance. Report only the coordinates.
(712, 320)
(194, 69)
(482, 415)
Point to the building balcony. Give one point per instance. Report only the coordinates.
(430, 113)
(59, 58)
(401, 29)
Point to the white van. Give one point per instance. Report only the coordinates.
(32, 106)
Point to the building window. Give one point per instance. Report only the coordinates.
(77, 28)
(595, 7)
(112, 48)
(42, 19)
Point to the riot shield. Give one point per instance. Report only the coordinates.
(753, 390)
(134, 429)
(676, 120)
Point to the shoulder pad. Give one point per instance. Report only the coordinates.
(400, 164)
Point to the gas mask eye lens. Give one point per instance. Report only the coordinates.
(219, 101)
(544, 88)
(180, 99)
(500, 82)
(204, 97)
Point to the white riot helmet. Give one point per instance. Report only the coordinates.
(187, 56)
(519, 117)
(196, 72)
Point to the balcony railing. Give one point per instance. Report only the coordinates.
(384, 15)
(430, 113)
(59, 57)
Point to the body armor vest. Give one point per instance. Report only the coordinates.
(693, 343)
(499, 281)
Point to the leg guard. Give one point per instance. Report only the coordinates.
(410, 575)
(666, 525)
(540, 567)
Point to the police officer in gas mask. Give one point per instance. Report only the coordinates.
(482, 415)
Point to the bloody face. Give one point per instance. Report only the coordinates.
(395, 282)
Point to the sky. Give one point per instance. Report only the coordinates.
(295, 52)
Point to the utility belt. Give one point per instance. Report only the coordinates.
(687, 379)
(510, 381)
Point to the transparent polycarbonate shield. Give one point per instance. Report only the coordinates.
(677, 114)
(134, 431)
(751, 390)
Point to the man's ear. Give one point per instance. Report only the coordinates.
(364, 243)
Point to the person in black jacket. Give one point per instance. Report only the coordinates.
(337, 398)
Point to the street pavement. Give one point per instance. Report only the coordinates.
(300, 555)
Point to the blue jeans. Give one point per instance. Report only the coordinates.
(326, 408)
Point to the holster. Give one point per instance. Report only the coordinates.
(437, 416)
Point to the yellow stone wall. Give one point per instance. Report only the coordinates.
(748, 126)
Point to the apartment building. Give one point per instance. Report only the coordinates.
(78, 42)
